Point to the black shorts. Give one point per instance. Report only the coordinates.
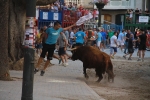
(61, 51)
(142, 46)
(48, 48)
(79, 44)
(94, 42)
(130, 50)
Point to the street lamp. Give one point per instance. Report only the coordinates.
(100, 4)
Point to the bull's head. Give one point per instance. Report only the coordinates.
(74, 54)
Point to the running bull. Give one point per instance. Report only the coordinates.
(93, 58)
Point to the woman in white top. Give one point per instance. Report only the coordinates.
(131, 14)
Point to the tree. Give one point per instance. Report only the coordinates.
(12, 26)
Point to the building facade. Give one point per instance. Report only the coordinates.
(115, 10)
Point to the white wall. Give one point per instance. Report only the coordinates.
(138, 4)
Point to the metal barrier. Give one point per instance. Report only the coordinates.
(112, 26)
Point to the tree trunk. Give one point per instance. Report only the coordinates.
(12, 25)
(4, 73)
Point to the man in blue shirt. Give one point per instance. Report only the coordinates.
(99, 39)
(49, 46)
(121, 39)
(79, 37)
(103, 39)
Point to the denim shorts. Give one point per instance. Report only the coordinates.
(113, 49)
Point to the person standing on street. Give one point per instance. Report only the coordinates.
(126, 41)
(113, 45)
(49, 45)
(80, 37)
(121, 39)
(62, 49)
(130, 47)
(142, 45)
(99, 39)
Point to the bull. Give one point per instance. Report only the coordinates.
(93, 58)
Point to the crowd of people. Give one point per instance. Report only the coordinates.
(70, 37)
(72, 11)
(138, 12)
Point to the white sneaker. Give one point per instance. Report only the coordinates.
(67, 64)
(64, 64)
(45, 59)
(139, 59)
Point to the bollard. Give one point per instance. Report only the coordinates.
(28, 67)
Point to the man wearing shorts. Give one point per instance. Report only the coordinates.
(130, 47)
(113, 45)
(62, 49)
(142, 45)
(121, 38)
(99, 39)
(49, 45)
(103, 39)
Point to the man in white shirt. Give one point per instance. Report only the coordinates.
(72, 37)
(113, 45)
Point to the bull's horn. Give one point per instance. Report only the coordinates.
(72, 49)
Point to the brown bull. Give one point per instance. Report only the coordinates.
(93, 58)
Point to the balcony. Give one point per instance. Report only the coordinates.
(119, 4)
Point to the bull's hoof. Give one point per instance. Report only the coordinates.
(86, 76)
(111, 81)
(96, 75)
(98, 80)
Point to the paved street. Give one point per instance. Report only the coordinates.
(58, 83)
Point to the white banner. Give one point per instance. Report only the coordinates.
(45, 15)
(83, 19)
(143, 19)
(55, 17)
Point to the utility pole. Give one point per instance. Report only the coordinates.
(28, 67)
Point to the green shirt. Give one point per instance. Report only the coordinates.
(110, 34)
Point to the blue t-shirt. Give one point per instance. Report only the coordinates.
(52, 35)
(103, 35)
(80, 37)
(121, 36)
(99, 38)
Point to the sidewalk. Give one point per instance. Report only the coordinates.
(58, 83)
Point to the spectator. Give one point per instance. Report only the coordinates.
(99, 39)
(80, 7)
(130, 47)
(131, 15)
(62, 49)
(113, 45)
(72, 37)
(103, 39)
(121, 39)
(140, 12)
(80, 37)
(142, 46)
(126, 41)
(79, 14)
(55, 7)
(137, 14)
(96, 16)
(148, 40)
(64, 7)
